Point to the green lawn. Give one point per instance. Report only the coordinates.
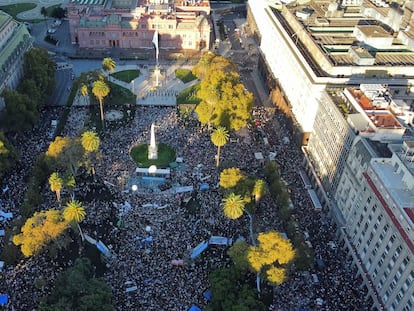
(189, 95)
(185, 75)
(14, 9)
(166, 155)
(126, 75)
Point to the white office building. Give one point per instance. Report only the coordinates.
(376, 199)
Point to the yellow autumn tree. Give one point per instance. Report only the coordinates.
(271, 256)
(56, 146)
(39, 230)
(230, 177)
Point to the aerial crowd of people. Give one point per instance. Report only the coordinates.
(148, 229)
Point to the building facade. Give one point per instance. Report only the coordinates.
(311, 46)
(131, 24)
(376, 199)
(15, 40)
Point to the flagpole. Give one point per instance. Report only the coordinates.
(155, 42)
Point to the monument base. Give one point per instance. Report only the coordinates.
(152, 153)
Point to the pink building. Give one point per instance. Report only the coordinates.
(130, 24)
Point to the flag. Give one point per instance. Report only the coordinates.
(155, 42)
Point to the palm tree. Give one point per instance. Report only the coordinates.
(84, 91)
(108, 65)
(233, 206)
(259, 190)
(100, 90)
(219, 138)
(74, 213)
(56, 184)
(90, 142)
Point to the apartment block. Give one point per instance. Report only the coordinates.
(375, 197)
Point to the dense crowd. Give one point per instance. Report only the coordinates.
(141, 274)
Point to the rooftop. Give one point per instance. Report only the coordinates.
(393, 182)
(374, 31)
(330, 28)
(383, 118)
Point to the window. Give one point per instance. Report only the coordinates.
(368, 264)
(374, 251)
(392, 285)
(379, 219)
(405, 285)
(374, 273)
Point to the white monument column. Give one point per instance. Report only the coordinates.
(152, 148)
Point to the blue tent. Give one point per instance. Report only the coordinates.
(4, 299)
(204, 186)
(207, 295)
(199, 249)
(194, 308)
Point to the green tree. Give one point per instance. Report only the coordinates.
(100, 90)
(29, 88)
(8, 155)
(41, 68)
(21, 111)
(233, 206)
(219, 138)
(231, 292)
(56, 184)
(238, 254)
(72, 156)
(224, 101)
(58, 12)
(39, 230)
(108, 65)
(78, 289)
(69, 182)
(74, 213)
(66, 154)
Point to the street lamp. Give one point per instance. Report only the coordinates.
(134, 187)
